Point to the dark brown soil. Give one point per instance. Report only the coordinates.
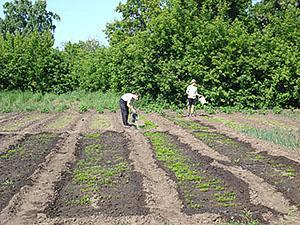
(204, 201)
(278, 171)
(18, 162)
(122, 195)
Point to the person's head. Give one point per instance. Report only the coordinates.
(193, 82)
(135, 96)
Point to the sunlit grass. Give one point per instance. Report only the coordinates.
(276, 135)
(17, 101)
(61, 122)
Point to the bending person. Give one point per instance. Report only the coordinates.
(125, 105)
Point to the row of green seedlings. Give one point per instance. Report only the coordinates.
(277, 135)
(208, 134)
(279, 171)
(173, 159)
(90, 174)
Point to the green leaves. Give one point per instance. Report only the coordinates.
(24, 17)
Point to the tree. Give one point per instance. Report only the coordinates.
(21, 16)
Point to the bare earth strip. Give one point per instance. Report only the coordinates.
(9, 116)
(27, 206)
(258, 144)
(260, 191)
(14, 137)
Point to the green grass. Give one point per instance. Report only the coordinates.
(291, 114)
(17, 101)
(279, 136)
(276, 135)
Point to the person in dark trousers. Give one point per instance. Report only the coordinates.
(125, 105)
(192, 93)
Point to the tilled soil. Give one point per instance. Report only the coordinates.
(18, 162)
(144, 190)
(279, 171)
(211, 193)
(115, 193)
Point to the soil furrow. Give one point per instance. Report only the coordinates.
(155, 180)
(11, 138)
(10, 116)
(186, 138)
(259, 145)
(65, 122)
(28, 120)
(275, 196)
(101, 180)
(279, 171)
(31, 201)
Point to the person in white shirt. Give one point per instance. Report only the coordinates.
(125, 105)
(192, 93)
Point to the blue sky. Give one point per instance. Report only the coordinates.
(81, 19)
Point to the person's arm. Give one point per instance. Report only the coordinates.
(131, 107)
(198, 94)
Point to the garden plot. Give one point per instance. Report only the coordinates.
(18, 124)
(278, 171)
(102, 180)
(284, 133)
(19, 161)
(62, 122)
(204, 188)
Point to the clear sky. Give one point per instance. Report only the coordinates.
(81, 19)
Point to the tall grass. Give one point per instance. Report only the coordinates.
(17, 101)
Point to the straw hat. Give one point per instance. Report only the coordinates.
(193, 81)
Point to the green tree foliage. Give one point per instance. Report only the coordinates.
(27, 58)
(241, 54)
(24, 17)
(89, 65)
(30, 63)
